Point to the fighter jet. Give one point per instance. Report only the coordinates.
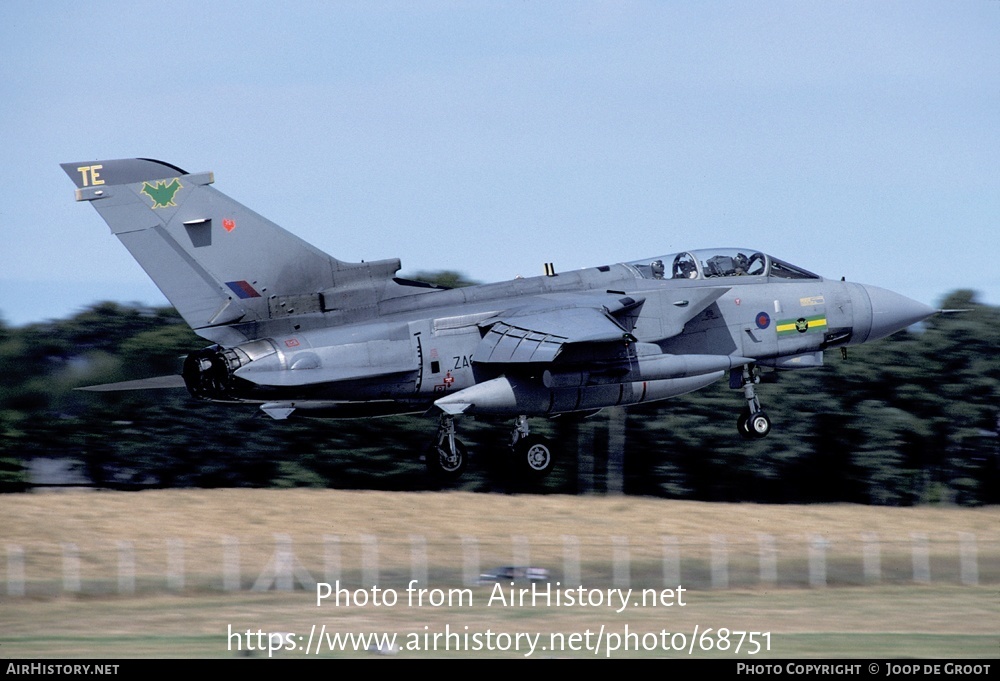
(299, 332)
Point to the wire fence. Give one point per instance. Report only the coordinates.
(369, 562)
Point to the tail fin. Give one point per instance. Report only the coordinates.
(218, 262)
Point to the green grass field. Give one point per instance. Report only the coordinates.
(882, 622)
(895, 619)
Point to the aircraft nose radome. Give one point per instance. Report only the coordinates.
(892, 312)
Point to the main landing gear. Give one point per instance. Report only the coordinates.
(532, 453)
(447, 457)
(752, 421)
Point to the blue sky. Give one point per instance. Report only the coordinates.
(852, 139)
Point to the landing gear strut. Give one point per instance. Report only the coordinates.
(446, 457)
(752, 421)
(532, 453)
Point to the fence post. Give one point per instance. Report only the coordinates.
(720, 562)
(817, 561)
(369, 560)
(71, 567)
(175, 564)
(768, 559)
(622, 569)
(418, 559)
(15, 570)
(967, 556)
(571, 560)
(231, 564)
(331, 558)
(921, 558)
(671, 561)
(283, 558)
(470, 561)
(126, 567)
(871, 557)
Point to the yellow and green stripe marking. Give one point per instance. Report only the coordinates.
(787, 327)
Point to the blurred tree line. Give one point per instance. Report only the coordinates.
(912, 419)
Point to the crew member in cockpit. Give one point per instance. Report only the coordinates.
(741, 265)
(684, 267)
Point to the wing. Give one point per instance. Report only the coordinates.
(577, 352)
(543, 331)
(534, 335)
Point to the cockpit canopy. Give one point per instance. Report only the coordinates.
(718, 262)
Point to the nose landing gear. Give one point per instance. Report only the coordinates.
(752, 421)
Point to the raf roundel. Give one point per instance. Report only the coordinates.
(763, 320)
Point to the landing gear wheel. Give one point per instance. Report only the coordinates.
(752, 421)
(753, 426)
(742, 424)
(446, 464)
(759, 425)
(534, 456)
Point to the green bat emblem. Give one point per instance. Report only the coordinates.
(161, 193)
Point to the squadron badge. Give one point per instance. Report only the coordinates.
(161, 192)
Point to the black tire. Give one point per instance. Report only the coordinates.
(534, 456)
(742, 424)
(759, 425)
(443, 464)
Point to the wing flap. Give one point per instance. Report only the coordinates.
(539, 335)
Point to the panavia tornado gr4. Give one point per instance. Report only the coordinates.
(301, 333)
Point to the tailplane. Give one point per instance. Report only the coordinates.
(225, 268)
